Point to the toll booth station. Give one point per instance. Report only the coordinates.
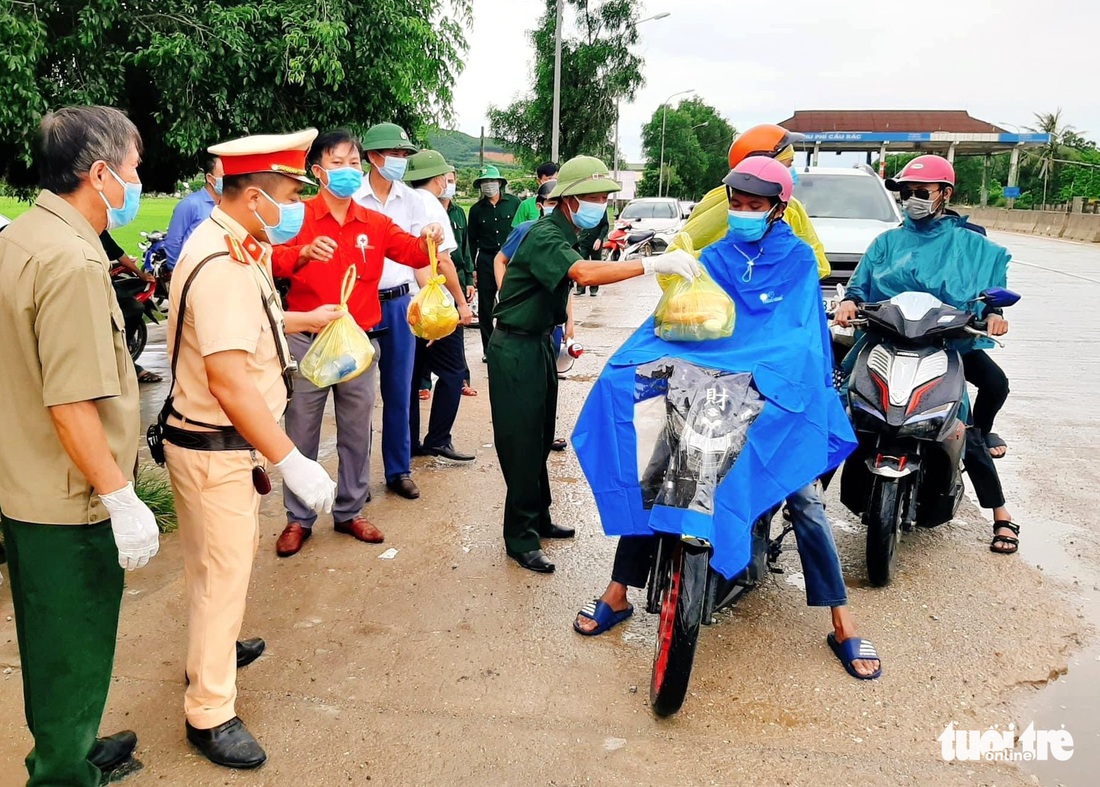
(948, 133)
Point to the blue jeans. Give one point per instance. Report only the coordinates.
(395, 369)
(816, 550)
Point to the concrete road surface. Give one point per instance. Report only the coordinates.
(449, 665)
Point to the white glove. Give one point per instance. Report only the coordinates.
(134, 527)
(308, 481)
(674, 263)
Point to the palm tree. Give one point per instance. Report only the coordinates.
(1051, 123)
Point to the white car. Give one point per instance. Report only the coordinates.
(849, 208)
(660, 215)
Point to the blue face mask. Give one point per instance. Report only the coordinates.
(217, 186)
(588, 214)
(291, 219)
(343, 182)
(120, 217)
(747, 225)
(548, 209)
(794, 175)
(394, 168)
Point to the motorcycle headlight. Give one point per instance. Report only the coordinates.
(926, 426)
(865, 417)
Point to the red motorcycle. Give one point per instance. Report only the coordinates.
(623, 243)
(135, 298)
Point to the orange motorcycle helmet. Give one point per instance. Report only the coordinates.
(764, 140)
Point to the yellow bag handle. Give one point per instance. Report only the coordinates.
(435, 278)
(347, 286)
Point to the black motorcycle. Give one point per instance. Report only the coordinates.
(135, 298)
(905, 395)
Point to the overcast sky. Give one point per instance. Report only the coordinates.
(1001, 60)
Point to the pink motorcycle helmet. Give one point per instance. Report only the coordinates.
(924, 169)
(762, 177)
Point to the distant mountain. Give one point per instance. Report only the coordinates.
(461, 150)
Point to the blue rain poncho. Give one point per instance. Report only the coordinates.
(782, 339)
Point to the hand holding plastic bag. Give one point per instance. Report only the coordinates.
(432, 313)
(341, 351)
(695, 310)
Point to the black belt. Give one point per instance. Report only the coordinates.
(393, 292)
(229, 440)
(517, 332)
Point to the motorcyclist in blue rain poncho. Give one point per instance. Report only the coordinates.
(939, 254)
(801, 432)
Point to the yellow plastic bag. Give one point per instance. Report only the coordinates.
(432, 313)
(692, 311)
(341, 351)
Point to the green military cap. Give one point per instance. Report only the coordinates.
(426, 164)
(583, 175)
(387, 136)
(489, 172)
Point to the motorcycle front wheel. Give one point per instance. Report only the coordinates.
(136, 337)
(883, 519)
(681, 613)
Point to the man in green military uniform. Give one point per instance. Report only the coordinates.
(523, 380)
(489, 225)
(591, 247)
(529, 209)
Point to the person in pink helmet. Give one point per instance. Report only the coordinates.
(766, 270)
(938, 252)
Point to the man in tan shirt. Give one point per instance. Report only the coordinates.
(232, 376)
(69, 419)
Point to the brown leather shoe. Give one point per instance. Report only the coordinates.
(361, 529)
(404, 486)
(291, 540)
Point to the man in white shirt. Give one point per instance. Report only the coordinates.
(427, 174)
(387, 148)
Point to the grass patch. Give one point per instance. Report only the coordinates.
(154, 214)
(155, 490)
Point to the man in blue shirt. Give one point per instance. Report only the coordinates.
(194, 208)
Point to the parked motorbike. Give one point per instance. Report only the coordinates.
(708, 415)
(615, 243)
(155, 261)
(905, 393)
(135, 298)
(624, 243)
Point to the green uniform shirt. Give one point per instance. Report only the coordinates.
(535, 294)
(528, 211)
(490, 226)
(589, 238)
(464, 263)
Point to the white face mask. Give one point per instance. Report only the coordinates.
(490, 189)
(449, 191)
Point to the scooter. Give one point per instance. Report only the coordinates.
(135, 298)
(706, 425)
(905, 395)
(615, 243)
(155, 261)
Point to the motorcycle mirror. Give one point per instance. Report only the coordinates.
(999, 297)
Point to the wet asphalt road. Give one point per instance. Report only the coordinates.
(447, 664)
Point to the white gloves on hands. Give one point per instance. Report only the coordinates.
(674, 263)
(134, 527)
(309, 481)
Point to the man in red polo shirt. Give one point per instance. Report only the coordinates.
(338, 233)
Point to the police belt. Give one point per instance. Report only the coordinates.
(519, 332)
(228, 439)
(393, 292)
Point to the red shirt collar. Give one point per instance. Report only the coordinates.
(318, 208)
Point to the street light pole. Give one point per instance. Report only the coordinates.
(556, 132)
(653, 18)
(664, 119)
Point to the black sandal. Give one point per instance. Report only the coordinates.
(1010, 541)
(993, 440)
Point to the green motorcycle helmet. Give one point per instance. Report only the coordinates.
(489, 172)
(387, 136)
(584, 175)
(426, 164)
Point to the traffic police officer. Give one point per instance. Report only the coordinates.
(231, 373)
(490, 223)
(523, 380)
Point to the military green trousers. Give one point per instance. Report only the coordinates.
(523, 396)
(66, 587)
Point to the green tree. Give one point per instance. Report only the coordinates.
(696, 145)
(1051, 123)
(598, 68)
(190, 73)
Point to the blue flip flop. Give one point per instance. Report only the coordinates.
(855, 649)
(606, 618)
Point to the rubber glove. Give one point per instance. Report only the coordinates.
(134, 527)
(674, 263)
(308, 481)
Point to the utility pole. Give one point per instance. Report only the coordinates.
(556, 132)
(664, 117)
(481, 154)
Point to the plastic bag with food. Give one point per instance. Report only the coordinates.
(342, 351)
(432, 312)
(692, 311)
